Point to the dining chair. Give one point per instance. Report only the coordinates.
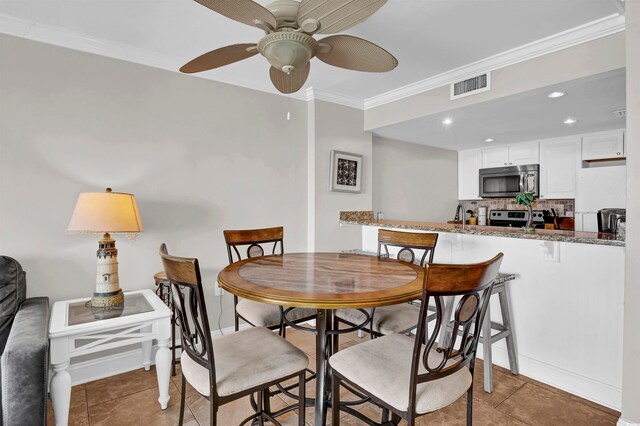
(234, 365)
(255, 313)
(409, 377)
(401, 318)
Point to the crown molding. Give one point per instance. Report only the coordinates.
(51, 35)
(15, 26)
(313, 93)
(72, 40)
(584, 33)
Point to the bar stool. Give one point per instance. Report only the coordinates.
(163, 291)
(505, 330)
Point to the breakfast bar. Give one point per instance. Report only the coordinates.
(567, 298)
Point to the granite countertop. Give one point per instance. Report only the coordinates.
(598, 238)
(502, 277)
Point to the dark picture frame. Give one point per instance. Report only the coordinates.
(346, 172)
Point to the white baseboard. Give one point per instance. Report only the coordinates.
(123, 362)
(576, 384)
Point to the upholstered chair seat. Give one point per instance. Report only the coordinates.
(382, 367)
(266, 315)
(244, 360)
(408, 376)
(234, 366)
(387, 319)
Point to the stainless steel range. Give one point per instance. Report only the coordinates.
(515, 218)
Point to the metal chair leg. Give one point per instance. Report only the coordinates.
(182, 400)
(173, 340)
(235, 313)
(335, 401)
(470, 405)
(260, 417)
(486, 351)
(213, 413)
(301, 399)
(385, 415)
(507, 321)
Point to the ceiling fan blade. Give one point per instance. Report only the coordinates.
(245, 11)
(335, 16)
(289, 83)
(357, 54)
(219, 58)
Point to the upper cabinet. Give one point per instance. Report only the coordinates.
(603, 146)
(559, 162)
(469, 162)
(514, 155)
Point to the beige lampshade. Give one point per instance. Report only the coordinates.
(100, 212)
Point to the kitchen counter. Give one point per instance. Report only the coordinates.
(598, 238)
(568, 293)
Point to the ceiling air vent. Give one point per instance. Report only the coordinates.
(620, 113)
(471, 86)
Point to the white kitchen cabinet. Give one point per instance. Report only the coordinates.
(524, 153)
(512, 155)
(603, 145)
(469, 162)
(495, 157)
(559, 162)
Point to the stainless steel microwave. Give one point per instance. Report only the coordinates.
(500, 182)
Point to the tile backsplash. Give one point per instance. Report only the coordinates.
(562, 207)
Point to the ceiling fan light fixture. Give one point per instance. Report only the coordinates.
(288, 50)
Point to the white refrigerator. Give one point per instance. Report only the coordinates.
(598, 188)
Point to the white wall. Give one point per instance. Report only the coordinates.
(414, 182)
(199, 156)
(631, 368)
(340, 128)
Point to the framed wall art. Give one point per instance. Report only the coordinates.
(346, 172)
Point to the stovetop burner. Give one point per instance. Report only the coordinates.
(515, 218)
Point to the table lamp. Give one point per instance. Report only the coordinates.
(106, 213)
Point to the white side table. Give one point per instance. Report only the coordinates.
(77, 330)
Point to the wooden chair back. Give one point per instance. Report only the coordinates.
(254, 240)
(408, 242)
(188, 299)
(473, 282)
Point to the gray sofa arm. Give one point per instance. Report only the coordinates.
(25, 365)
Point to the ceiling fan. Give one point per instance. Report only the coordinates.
(288, 44)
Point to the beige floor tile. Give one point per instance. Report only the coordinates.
(78, 414)
(139, 408)
(596, 406)
(236, 411)
(121, 385)
(539, 406)
(504, 385)
(177, 380)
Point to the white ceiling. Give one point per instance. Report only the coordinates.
(428, 37)
(527, 116)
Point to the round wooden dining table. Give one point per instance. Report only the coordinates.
(326, 282)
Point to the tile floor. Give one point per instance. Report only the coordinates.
(131, 399)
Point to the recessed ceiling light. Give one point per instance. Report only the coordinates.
(447, 121)
(488, 140)
(556, 94)
(570, 120)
